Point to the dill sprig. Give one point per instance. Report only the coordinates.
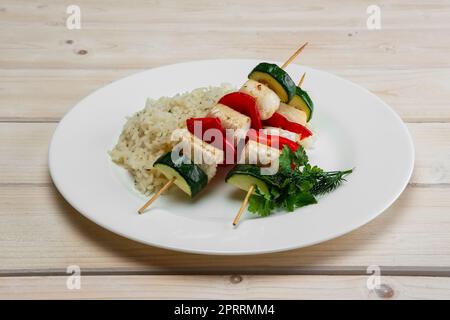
(329, 181)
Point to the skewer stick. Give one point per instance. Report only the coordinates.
(156, 195)
(291, 58)
(301, 80)
(243, 206)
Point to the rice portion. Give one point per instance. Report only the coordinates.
(146, 135)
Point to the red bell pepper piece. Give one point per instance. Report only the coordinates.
(280, 121)
(270, 140)
(245, 104)
(204, 124)
(212, 123)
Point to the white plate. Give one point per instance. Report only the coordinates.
(354, 129)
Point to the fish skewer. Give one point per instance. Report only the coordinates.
(190, 177)
(269, 100)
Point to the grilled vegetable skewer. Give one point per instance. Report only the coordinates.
(259, 99)
(190, 177)
(279, 81)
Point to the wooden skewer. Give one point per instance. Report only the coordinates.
(301, 80)
(291, 58)
(250, 191)
(243, 206)
(156, 195)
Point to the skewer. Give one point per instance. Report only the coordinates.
(243, 206)
(291, 58)
(250, 191)
(247, 197)
(156, 195)
(301, 80)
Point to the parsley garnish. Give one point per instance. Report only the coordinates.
(296, 184)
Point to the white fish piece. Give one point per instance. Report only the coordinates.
(282, 133)
(198, 151)
(292, 114)
(266, 99)
(229, 118)
(259, 154)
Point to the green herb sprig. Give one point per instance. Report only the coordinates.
(300, 184)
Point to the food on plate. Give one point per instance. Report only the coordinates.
(292, 114)
(197, 151)
(230, 118)
(258, 153)
(275, 78)
(296, 184)
(211, 131)
(188, 139)
(274, 131)
(189, 177)
(280, 121)
(267, 100)
(190, 165)
(147, 134)
(302, 101)
(244, 176)
(245, 104)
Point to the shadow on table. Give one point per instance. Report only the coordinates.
(118, 254)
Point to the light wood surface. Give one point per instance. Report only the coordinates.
(224, 287)
(44, 72)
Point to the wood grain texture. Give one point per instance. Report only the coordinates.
(25, 148)
(40, 231)
(28, 100)
(45, 69)
(148, 47)
(150, 33)
(230, 14)
(222, 287)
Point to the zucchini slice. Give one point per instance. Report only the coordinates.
(275, 78)
(302, 101)
(188, 176)
(243, 176)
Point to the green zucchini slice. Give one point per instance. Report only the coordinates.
(188, 176)
(275, 78)
(302, 101)
(243, 176)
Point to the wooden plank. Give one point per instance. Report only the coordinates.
(39, 231)
(234, 14)
(25, 146)
(24, 150)
(99, 48)
(224, 287)
(47, 94)
(406, 64)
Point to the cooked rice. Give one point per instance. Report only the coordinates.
(146, 135)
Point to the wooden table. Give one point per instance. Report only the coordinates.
(46, 68)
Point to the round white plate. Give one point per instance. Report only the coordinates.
(354, 129)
